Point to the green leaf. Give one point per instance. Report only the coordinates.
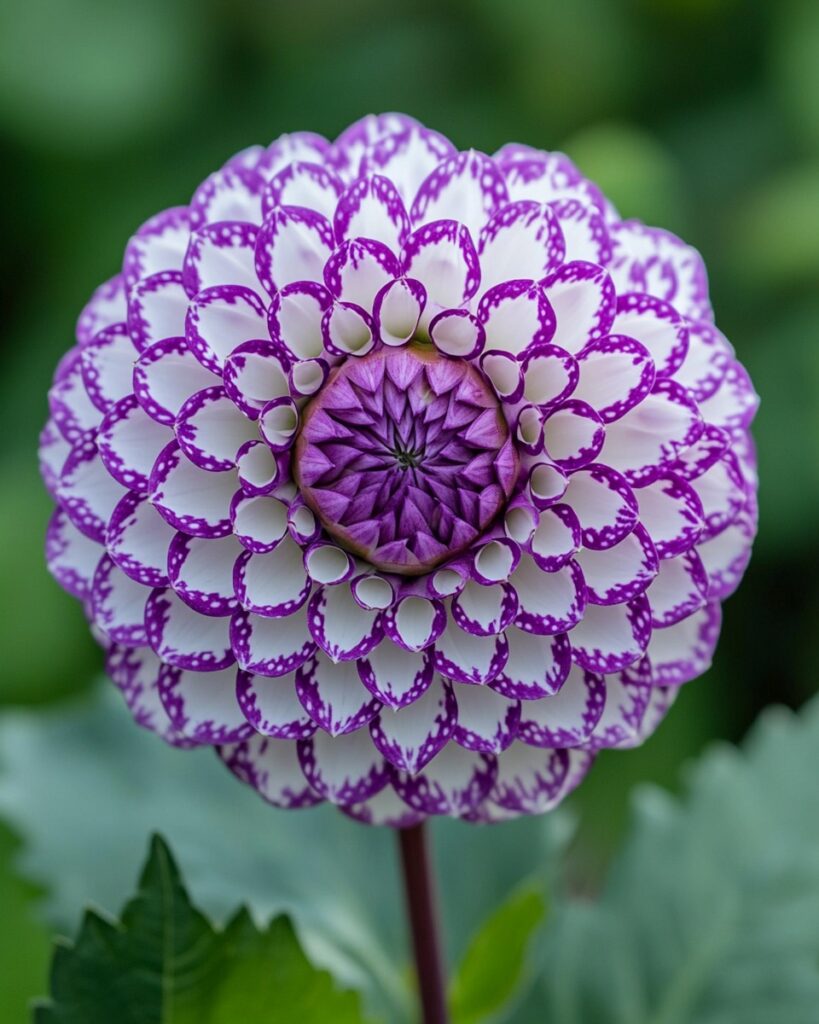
(711, 913)
(496, 958)
(165, 963)
(24, 942)
(83, 786)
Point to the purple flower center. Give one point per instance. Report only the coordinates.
(405, 457)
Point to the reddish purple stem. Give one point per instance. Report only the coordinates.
(419, 886)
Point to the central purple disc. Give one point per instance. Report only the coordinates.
(405, 457)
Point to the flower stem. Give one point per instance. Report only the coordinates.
(422, 909)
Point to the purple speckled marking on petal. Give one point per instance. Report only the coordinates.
(86, 491)
(532, 781)
(405, 152)
(550, 375)
(293, 245)
(52, 452)
(484, 610)
(657, 326)
(680, 589)
(107, 366)
(72, 411)
(549, 603)
(135, 671)
(166, 375)
(628, 695)
(385, 808)
(556, 538)
(573, 435)
(233, 193)
(137, 538)
(272, 768)
(255, 373)
(272, 583)
(159, 244)
(410, 737)
(458, 334)
(333, 695)
(584, 230)
(671, 511)
(537, 666)
(294, 318)
(291, 147)
(442, 256)
(395, 676)
(211, 430)
(358, 269)
(260, 522)
(118, 605)
(467, 658)
(414, 622)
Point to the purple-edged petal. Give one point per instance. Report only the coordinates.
(341, 628)
(219, 254)
(522, 240)
(183, 637)
(467, 187)
(303, 183)
(568, 718)
(72, 410)
(708, 357)
(107, 366)
(295, 316)
(611, 637)
(484, 610)
(334, 696)
(201, 572)
(672, 512)
(106, 306)
(272, 767)
(72, 557)
(442, 256)
(405, 152)
(550, 375)
(680, 589)
(452, 783)
(410, 737)
(165, 377)
(657, 326)
(548, 602)
(233, 193)
(467, 658)
(616, 373)
(414, 622)
(487, 721)
(293, 147)
(52, 451)
(395, 676)
(137, 538)
(733, 405)
(556, 538)
(259, 522)
(495, 561)
(584, 230)
(621, 572)
(347, 330)
(642, 443)
(726, 556)
(220, 319)
(157, 306)
(397, 310)
(269, 647)
(358, 269)
(628, 695)
(516, 315)
(684, 651)
(293, 245)
(584, 303)
(189, 498)
(573, 435)
(272, 707)
(202, 706)
(605, 504)
(343, 769)
(118, 605)
(87, 491)
(457, 333)
(328, 564)
(385, 808)
(273, 583)
(546, 484)
(129, 441)
(259, 469)
(159, 244)
(372, 208)
(533, 781)
(211, 430)
(537, 666)
(721, 491)
(255, 373)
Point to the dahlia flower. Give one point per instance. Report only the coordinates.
(407, 478)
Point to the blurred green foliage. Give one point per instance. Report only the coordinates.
(701, 115)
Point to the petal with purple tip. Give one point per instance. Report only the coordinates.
(343, 769)
(411, 736)
(568, 718)
(183, 637)
(273, 583)
(611, 637)
(522, 240)
(487, 721)
(273, 768)
(342, 629)
(293, 245)
(537, 666)
(269, 647)
(202, 706)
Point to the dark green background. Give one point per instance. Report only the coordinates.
(699, 115)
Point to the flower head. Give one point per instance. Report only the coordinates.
(407, 478)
